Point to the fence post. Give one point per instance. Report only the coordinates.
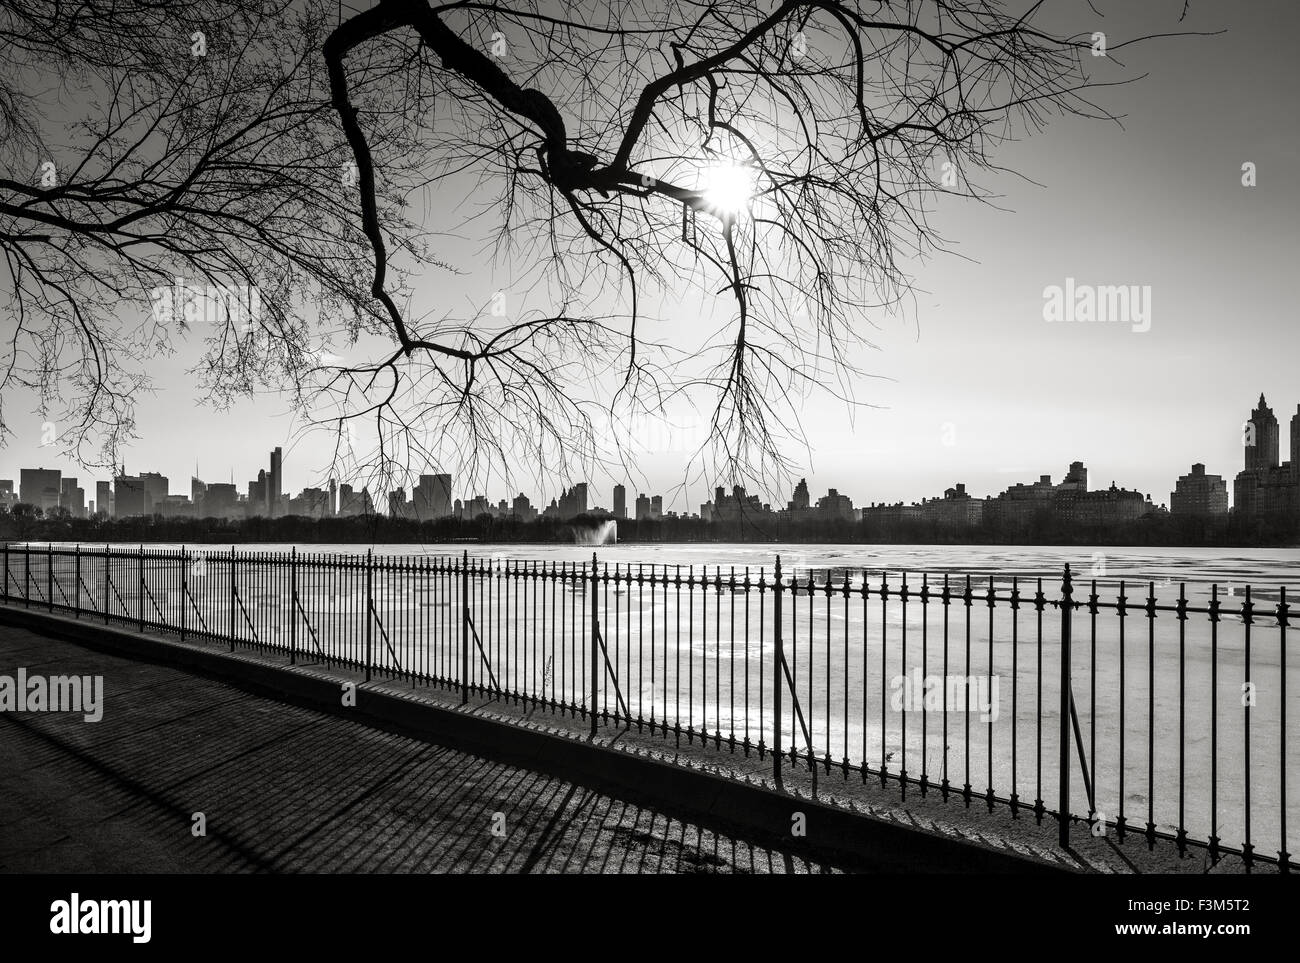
(185, 589)
(49, 576)
(1063, 805)
(777, 681)
(370, 606)
(595, 646)
(76, 605)
(5, 591)
(293, 606)
(139, 609)
(232, 598)
(464, 628)
(108, 574)
(27, 576)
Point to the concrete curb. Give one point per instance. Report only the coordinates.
(852, 840)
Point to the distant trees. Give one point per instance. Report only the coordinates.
(1153, 530)
(21, 520)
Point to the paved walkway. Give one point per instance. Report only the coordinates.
(287, 789)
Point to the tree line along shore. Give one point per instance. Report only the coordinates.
(1167, 530)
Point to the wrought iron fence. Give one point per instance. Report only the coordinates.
(1127, 713)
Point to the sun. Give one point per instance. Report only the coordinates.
(728, 189)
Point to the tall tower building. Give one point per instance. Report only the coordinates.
(130, 496)
(157, 487)
(1295, 446)
(40, 487)
(334, 498)
(440, 506)
(1199, 494)
(431, 498)
(573, 501)
(72, 497)
(801, 499)
(1076, 479)
(620, 498)
(1262, 430)
(275, 483)
(259, 494)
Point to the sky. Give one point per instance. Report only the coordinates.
(971, 383)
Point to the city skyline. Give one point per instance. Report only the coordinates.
(1265, 482)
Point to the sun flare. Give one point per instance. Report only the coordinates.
(728, 189)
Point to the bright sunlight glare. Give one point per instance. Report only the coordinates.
(728, 189)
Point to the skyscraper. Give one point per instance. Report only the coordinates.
(441, 506)
(1076, 479)
(350, 502)
(311, 503)
(104, 498)
(801, 499)
(573, 501)
(73, 498)
(156, 486)
(334, 498)
(257, 494)
(130, 497)
(1261, 438)
(1199, 494)
(1295, 446)
(220, 500)
(40, 487)
(431, 498)
(1263, 487)
(620, 502)
(276, 490)
(837, 506)
(354, 502)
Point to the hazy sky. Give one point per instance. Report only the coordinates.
(975, 385)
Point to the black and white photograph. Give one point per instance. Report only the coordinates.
(655, 438)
